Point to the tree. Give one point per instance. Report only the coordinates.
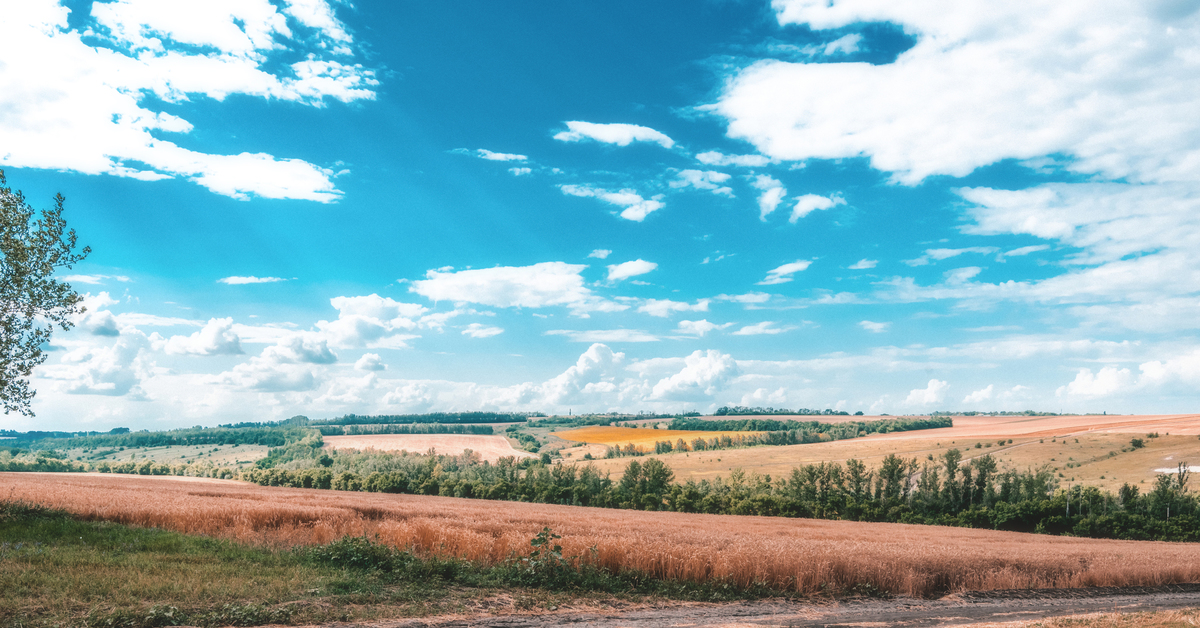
(32, 300)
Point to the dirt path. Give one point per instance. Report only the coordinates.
(966, 608)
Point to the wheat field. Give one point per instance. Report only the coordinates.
(638, 437)
(800, 555)
(490, 448)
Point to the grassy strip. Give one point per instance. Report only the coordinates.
(55, 570)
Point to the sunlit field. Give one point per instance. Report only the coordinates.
(799, 555)
(489, 448)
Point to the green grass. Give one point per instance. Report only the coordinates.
(57, 571)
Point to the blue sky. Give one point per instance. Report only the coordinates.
(310, 207)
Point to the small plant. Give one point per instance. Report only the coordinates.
(1137, 443)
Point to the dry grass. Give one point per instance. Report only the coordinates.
(638, 437)
(490, 448)
(1151, 619)
(800, 555)
(1036, 441)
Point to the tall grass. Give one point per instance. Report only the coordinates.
(803, 556)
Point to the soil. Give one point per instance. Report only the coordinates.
(953, 610)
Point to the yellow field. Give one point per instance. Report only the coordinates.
(1035, 441)
(638, 437)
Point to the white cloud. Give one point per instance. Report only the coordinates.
(703, 180)
(216, 338)
(663, 308)
(750, 298)
(772, 194)
(783, 274)
(98, 98)
(699, 328)
(1114, 95)
(625, 270)
(809, 203)
(873, 327)
(705, 373)
(937, 255)
(1025, 250)
(237, 281)
(979, 396)
(636, 207)
(370, 362)
(761, 329)
(477, 330)
(600, 253)
(375, 321)
(592, 375)
(935, 392)
(114, 370)
(412, 397)
(490, 156)
(92, 279)
(520, 172)
(863, 264)
(1106, 381)
(605, 335)
(540, 285)
(619, 134)
(714, 158)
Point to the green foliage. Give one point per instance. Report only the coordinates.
(743, 411)
(32, 301)
(411, 428)
(432, 417)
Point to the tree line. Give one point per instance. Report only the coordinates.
(411, 428)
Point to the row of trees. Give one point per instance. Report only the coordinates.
(943, 492)
(411, 428)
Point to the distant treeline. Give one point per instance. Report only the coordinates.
(38, 435)
(836, 431)
(411, 428)
(744, 410)
(432, 417)
(269, 436)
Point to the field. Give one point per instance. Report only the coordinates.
(219, 455)
(1093, 450)
(489, 448)
(806, 556)
(638, 437)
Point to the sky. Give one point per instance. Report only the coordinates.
(386, 207)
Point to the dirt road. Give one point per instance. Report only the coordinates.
(959, 609)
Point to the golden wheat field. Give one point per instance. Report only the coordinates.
(490, 448)
(791, 554)
(638, 437)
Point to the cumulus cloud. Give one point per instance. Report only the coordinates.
(710, 180)
(478, 330)
(600, 253)
(625, 270)
(115, 370)
(537, 286)
(94, 84)
(605, 335)
(372, 321)
(980, 86)
(699, 328)
(981, 395)
(593, 375)
(619, 134)
(665, 307)
(490, 156)
(238, 281)
(714, 158)
(765, 328)
(772, 194)
(863, 264)
(783, 274)
(370, 362)
(636, 207)
(520, 172)
(873, 327)
(216, 338)
(704, 374)
(933, 393)
(1106, 381)
(809, 203)
(412, 397)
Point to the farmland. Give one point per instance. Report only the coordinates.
(1092, 450)
(489, 448)
(618, 436)
(803, 556)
